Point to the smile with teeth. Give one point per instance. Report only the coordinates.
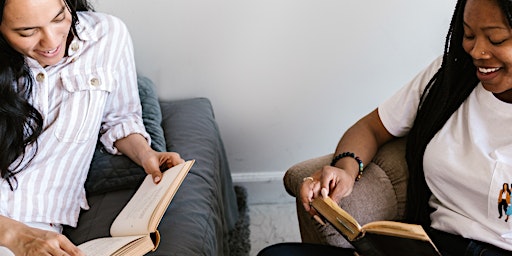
(487, 70)
(51, 51)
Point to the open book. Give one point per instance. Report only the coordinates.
(379, 238)
(134, 231)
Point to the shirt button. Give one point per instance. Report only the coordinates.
(74, 46)
(40, 77)
(94, 81)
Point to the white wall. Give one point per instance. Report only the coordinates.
(286, 77)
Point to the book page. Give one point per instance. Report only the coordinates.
(106, 245)
(145, 209)
(397, 229)
(339, 218)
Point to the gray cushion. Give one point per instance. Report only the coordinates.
(151, 113)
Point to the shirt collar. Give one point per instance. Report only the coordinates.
(85, 29)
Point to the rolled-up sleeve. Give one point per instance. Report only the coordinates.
(123, 112)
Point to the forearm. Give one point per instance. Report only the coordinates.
(135, 146)
(363, 139)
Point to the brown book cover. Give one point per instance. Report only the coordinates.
(378, 238)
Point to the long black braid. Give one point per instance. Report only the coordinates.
(446, 91)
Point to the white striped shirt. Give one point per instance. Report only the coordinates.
(92, 90)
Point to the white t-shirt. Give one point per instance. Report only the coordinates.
(467, 161)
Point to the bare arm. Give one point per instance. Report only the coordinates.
(363, 139)
(136, 148)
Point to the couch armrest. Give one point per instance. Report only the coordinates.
(204, 209)
(379, 195)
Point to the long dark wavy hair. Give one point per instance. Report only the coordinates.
(20, 123)
(446, 91)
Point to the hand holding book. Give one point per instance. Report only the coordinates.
(134, 231)
(379, 238)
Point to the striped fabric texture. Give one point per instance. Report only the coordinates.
(93, 90)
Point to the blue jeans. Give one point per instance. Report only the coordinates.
(447, 244)
(454, 245)
(476, 249)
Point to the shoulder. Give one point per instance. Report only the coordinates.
(435, 65)
(99, 24)
(96, 18)
(421, 80)
(431, 69)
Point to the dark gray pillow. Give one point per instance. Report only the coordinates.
(151, 113)
(109, 172)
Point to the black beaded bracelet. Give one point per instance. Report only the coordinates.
(350, 154)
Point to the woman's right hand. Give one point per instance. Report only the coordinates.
(337, 182)
(24, 240)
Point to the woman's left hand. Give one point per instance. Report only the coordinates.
(155, 162)
(136, 148)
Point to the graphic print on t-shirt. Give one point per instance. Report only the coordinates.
(504, 207)
(500, 198)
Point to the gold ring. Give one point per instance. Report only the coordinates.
(308, 178)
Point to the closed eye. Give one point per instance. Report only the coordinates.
(497, 42)
(60, 17)
(27, 32)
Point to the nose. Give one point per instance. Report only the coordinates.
(49, 39)
(480, 50)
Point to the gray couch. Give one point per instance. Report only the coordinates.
(379, 195)
(204, 209)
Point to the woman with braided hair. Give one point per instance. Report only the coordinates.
(457, 115)
(67, 74)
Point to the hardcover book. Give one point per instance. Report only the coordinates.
(378, 238)
(134, 231)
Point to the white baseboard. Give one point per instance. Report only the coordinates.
(257, 177)
(263, 187)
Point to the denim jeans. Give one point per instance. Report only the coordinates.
(447, 244)
(454, 245)
(477, 249)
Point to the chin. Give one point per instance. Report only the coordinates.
(494, 88)
(49, 62)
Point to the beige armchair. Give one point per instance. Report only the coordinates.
(379, 195)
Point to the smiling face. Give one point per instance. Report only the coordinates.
(488, 40)
(37, 28)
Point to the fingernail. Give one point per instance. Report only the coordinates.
(157, 179)
(324, 192)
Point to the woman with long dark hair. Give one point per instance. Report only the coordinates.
(457, 115)
(67, 74)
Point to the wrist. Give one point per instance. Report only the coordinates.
(349, 166)
(348, 161)
(8, 231)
